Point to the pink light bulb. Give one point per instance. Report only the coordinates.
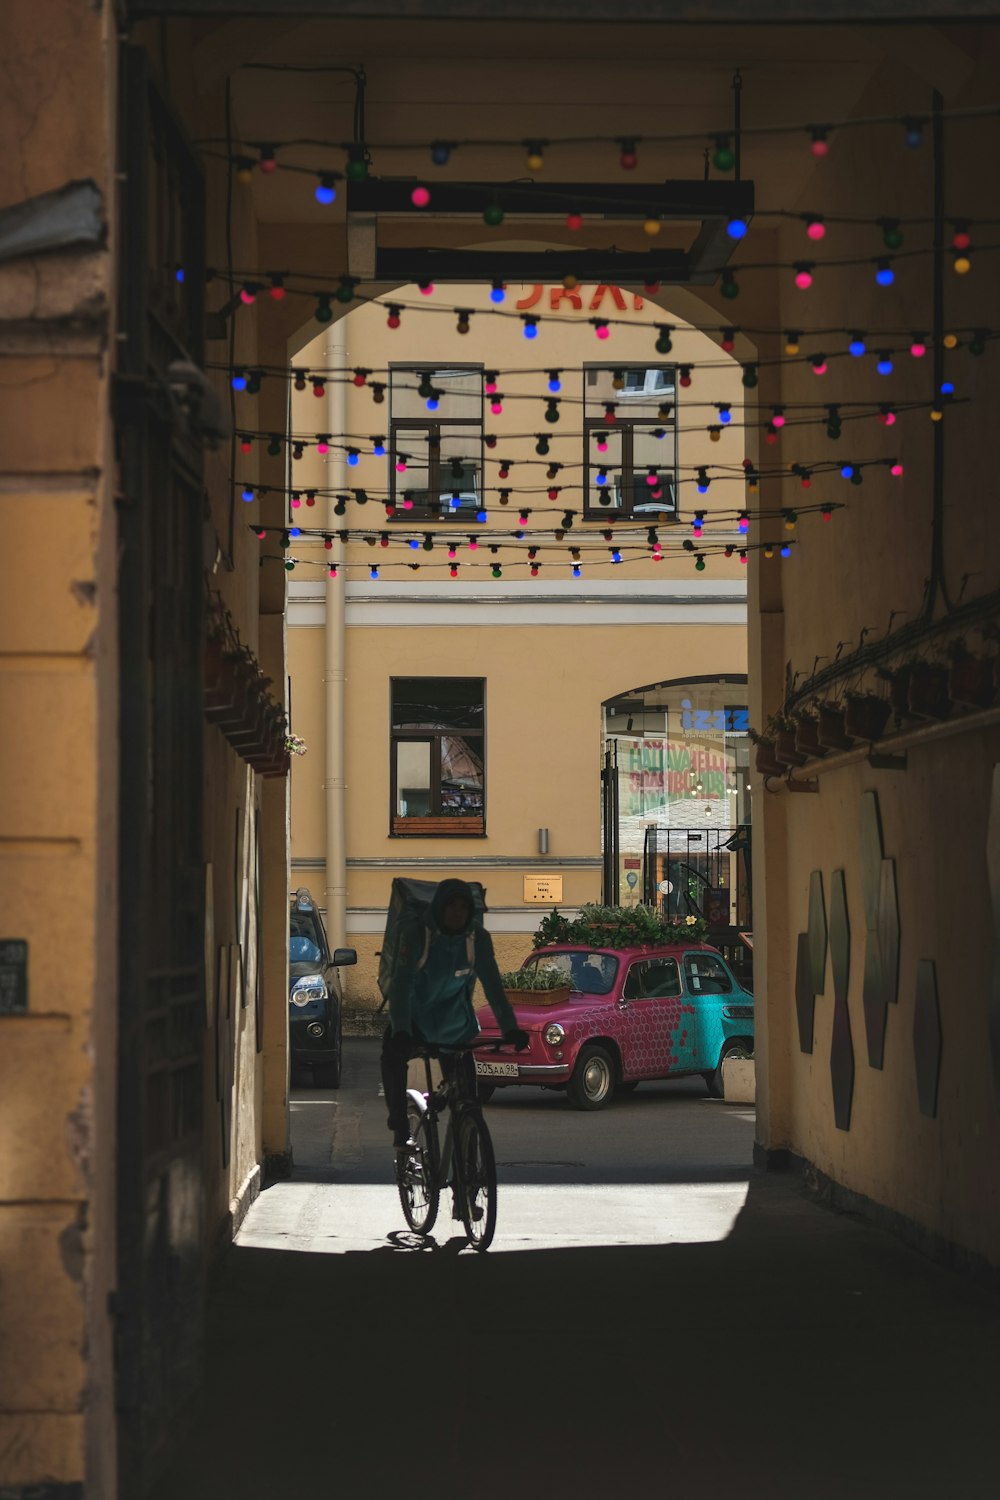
(322, 446)
(803, 280)
(743, 556)
(820, 369)
(889, 419)
(489, 387)
(452, 553)
(602, 445)
(401, 466)
(407, 504)
(818, 147)
(917, 349)
(473, 544)
(896, 470)
(656, 494)
(427, 290)
(816, 229)
(778, 419)
(651, 480)
(333, 571)
(420, 197)
(496, 407)
(296, 502)
(603, 331)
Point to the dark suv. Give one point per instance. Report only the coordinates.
(315, 1032)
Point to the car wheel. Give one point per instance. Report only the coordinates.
(593, 1082)
(713, 1080)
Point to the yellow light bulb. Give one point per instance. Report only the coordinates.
(962, 265)
(768, 551)
(570, 281)
(753, 486)
(535, 161)
(245, 175)
(936, 414)
(789, 525)
(950, 341)
(791, 347)
(715, 433)
(651, 227)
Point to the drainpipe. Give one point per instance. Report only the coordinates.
(334, 673)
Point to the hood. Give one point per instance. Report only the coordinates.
(447, 891)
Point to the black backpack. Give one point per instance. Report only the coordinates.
(409, 907)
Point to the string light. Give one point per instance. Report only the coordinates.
(803, 275)
(326, 188)
(815, 227)
(420, 197)
(555, 384)
(441, 152)
(857, 345)
(884, 274)
(276, 291)
(535, 159)
(498, 292)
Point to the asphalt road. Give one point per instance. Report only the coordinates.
(655, 1316)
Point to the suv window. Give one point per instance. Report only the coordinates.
(306, 938)
(706, 975)
(652, 979)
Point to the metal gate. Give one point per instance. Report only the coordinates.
(159, 1301)
(610, 836)
(706, 868)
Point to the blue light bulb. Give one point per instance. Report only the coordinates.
(555, 385)
(247, 494)
(725, 417)
(786, 551)
(885, 275)
(947, 388)
(531, 330)
(884, 365)
(846, 471)
(702, 488)
(602, 478)
(616, 556)
(373, 574)
(239, 381)
(497, 292)
(455, 502)
(179, 273)
(736, 228)
(414, 544)
(432, 403)
(325, 191)
(576, 571)
(352, 458)
(379, 450)
(294, 531)
(480, 515)
(856, 347)
(440, 154)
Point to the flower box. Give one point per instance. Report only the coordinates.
(807, 738)
(972, 681)
(865, 716)
(766, 761)
(927, 694)
(435, 826)
(539, 997)
(832, 733)
(785, 749)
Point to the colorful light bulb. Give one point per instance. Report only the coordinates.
(555, 384)
(420, 197)
(815, 228)
(884, 363)
(820, 147)
(326, 191)
(601, 329)
(803, 276)
(918, 348)
(884, 274)
(736, 228)
(440, 153)
(856, 346)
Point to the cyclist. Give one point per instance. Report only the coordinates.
(439, 962)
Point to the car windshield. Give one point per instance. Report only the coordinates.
(587, 973)
(304, 946)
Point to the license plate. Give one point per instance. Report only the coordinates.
(496, 1069)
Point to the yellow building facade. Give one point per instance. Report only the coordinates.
(485, 549)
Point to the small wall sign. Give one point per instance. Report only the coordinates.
(546, 890)
(13, 976)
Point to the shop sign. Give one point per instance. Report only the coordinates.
(546, 890)
(582, 299)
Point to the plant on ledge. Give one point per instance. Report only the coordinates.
(618, 927)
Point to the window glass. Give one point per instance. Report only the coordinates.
(457, 392)
(413, 778)
(706, 975)
(586, 973)
(605, 469)
(304, 941)
(653, 979)
(437, 703)
(461, 774)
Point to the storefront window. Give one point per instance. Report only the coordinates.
(437, 750)
(630, 441)
(436, 433)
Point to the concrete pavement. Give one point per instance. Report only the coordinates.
(667, 1317)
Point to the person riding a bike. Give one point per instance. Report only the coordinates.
(439, 962)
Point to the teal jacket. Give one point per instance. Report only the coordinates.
(433, 991)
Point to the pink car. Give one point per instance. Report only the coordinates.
(632, 1014)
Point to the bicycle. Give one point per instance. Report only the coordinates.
(464, 1161)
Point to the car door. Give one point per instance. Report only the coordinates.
(652, 1019)
(709, 986)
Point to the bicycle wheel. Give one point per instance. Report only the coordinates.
(476, 1179)
(416, 1172)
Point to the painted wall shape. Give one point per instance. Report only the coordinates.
(805, 995)
(817, 933)
(873, 988)
(927, 1037)
(841, 1044)
(993, 875)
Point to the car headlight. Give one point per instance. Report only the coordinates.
(307, 989)
(553, 1033)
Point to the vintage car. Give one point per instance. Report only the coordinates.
(315, 1024)
(631, 1014)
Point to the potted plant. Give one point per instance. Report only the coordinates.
(765, 760)
(618, 927)
(865, 715)
(898, 678)
(832, 732)
(971, 679)
(739, 1077)
(538, 984)
(927, 691)
(807, 736)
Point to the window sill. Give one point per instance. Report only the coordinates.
(438, 827)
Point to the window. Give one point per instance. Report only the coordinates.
(436, 432)
(706, 975)
(437, 765)
(630, 463)
(586, 973)
(653, 979)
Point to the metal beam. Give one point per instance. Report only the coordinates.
(599, 200)
(589, 266)
(692, 12)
